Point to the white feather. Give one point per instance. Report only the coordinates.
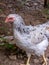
(30, 38)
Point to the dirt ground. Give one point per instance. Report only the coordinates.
(14, 60)
(32, 14)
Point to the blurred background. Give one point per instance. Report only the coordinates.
(33, 12)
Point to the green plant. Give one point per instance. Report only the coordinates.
(6, 44)
(46, 11)
(47, 5)
(1, 10)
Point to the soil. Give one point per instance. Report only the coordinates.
(31, 11)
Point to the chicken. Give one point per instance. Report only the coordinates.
(31, 39)
(44, 28)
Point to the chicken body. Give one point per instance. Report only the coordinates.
(32, 39)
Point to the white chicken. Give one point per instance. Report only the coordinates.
(32, 39)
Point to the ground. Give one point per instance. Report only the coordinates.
(33, 13)
(14, 60)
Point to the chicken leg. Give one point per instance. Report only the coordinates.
(29, 56)
(45, 61)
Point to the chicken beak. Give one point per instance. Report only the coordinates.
(6, 20)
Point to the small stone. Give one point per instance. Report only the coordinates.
(35, 3)
(10, 5)
(22, 64)
(12, 57)
(36, 61)
(27, 4)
